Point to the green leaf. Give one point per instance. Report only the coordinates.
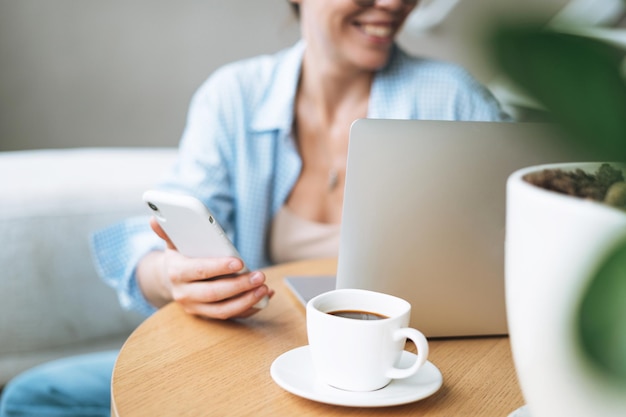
(580, 82)
(602, 316)
(577, 79)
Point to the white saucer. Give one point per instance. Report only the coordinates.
(293, 371)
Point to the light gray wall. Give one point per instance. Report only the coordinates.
(120, 72)
(461, 36)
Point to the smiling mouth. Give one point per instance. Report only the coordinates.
(379, 31)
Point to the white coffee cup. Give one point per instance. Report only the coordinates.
(356, 354)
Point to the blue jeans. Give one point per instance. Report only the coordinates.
(74, 386)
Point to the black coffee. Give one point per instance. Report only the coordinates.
(358, 315)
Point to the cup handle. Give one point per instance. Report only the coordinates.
(422, 352)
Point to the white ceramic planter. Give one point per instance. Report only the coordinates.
(553, 242)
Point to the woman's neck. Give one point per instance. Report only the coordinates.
(327, 102)
(334, 91)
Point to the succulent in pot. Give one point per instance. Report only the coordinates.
(566, 254)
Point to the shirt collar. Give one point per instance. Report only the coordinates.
(276, 111)
(384, 87)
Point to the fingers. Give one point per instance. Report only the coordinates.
(182, 269)
(241, 306)
(218, 289)
(208, 287)
(224, 297)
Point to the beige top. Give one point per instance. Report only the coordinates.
(293, 238)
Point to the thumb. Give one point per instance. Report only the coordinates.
(154, 224)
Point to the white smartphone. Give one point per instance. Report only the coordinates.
(191, 227)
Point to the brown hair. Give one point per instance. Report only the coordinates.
(295, 7)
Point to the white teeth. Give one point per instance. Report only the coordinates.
(376, 30)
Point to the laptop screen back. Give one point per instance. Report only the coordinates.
(424, 214)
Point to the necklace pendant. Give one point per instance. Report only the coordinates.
(333, 180)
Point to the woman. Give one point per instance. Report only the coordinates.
(265, 148)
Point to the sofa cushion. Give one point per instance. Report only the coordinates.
(52, 303)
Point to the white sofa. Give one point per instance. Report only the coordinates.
(52, 302)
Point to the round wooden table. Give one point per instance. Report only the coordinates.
(174, 364)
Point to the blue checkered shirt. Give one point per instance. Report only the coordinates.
(238, 155)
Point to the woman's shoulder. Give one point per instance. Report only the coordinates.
(436, 89)
(250, 73)
(412, 66)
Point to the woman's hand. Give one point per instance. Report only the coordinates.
(194, 284)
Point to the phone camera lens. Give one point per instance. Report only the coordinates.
(153, 207)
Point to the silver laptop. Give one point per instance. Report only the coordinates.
(424, 214)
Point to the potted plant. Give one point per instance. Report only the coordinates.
(565, 255)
